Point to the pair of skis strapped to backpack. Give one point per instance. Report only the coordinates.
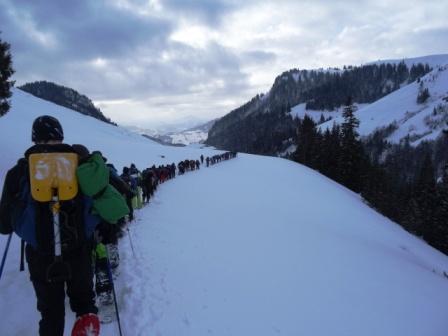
(53, 179)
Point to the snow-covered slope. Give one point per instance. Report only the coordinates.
(299, 111)
(194, 135)
(188, 137)
(400, 108)
(123, 146)
(252, 246)
(141, 131)
(433, 61)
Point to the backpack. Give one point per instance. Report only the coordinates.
(31, 218)
(93, 178)
(23, 213)
(134, 182)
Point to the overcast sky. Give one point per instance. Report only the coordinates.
(155, 62)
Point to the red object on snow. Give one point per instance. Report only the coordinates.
(86, 325)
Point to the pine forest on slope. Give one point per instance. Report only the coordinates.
(265, 125)
(66, 97)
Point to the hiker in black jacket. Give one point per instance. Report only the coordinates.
(76, 276)
(147, 184)
(126, 177)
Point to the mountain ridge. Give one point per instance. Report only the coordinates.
(326, 90)
(65, 96)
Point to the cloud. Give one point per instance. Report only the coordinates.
(152, 61)
(84, 29)
(209, 12)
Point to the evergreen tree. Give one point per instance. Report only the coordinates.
(6, 72)
(307, 143)
(423, 94)
(411, 219)
(440, 226)
(322, 119)
(424, 194)
(402, 72)
(331, 149)
(377, 190)
(351, 149)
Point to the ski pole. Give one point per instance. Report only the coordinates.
(5, 254)
(22, 256)
(130, 240)
(109, 273)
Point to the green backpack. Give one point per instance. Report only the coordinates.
(93, 179)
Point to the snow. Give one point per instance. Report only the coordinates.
(400, 108)
(251, 246)
(432, 60)
(299, 111)
(197, 134)
(188, 137)
(288, 151)
(113, 141)
(296, 76)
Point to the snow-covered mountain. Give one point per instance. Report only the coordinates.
(252, 246)
(433, 61)
(399, 111)
(66, 97)
(193, 135)
(403, 115)
(385, 91)
(143, 131)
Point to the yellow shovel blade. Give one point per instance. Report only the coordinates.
(53, 171)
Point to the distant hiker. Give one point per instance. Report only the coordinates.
(58, 256)
(118, 183)
(181, 168)
(147, 184)
(202, 159)
(126, 177)
(208, 161)
(136, 184)
(133, 169)
(197, 164)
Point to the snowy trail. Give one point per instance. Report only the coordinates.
(212, 259)
(225, 251)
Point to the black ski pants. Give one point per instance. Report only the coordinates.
(51, 296)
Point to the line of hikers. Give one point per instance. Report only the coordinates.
(70, 206)
(220, 157)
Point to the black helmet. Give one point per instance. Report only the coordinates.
(46, 128)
